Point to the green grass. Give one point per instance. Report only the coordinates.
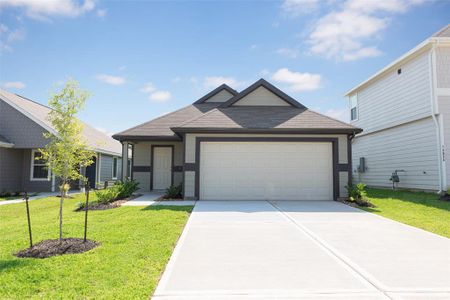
(136, 244)
(419, 209)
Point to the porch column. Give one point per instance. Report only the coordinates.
(125, 161)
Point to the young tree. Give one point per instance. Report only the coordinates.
(67, 150)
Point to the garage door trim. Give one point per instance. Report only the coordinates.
(333, 141)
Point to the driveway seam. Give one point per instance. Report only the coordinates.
(362, 274)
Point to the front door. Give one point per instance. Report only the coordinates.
(162, 167)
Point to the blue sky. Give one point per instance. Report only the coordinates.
(141, 59)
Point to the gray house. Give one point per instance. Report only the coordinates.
(404, 110)
(22, 124)
(251, 145)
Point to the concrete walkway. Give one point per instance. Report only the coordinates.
(37, 197)
(153, 198)
(303, 249)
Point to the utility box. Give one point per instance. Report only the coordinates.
(362, 165)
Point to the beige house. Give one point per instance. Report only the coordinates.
(404, 110)
(255, 144)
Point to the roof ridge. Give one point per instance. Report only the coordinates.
(333, 119)
(195, 118)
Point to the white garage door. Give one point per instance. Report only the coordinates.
(266, 171)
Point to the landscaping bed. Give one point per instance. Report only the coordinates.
(103, 206)
(48, 248)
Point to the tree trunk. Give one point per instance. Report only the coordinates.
(61, 210)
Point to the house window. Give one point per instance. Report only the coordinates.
(354, 107)
(114, 171)
(39, 170)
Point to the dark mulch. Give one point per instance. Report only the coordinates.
(104, 206)
(445, 197)
(357, 204)
(49, 248)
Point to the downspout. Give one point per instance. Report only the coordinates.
(433, 102)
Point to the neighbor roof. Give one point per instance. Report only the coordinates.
(38, 113)
(442, 36)
(214, 117)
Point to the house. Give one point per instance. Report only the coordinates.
(404, 110)
(255, 144)
(22, 124)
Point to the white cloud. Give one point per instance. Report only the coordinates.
(13, 85)
(101, 13)
(160, 96)
(342, 114)
(288, 52)
(264, 72)
(215, 81)
(9, 36)
(42, 9)
(346, 33)
(110, 79)
(148, 88)
(298, 81)
(295, 8)
(176, 79)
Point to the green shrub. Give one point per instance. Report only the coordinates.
(356, 193)
(107, 195)
(126, 188)
(174, 192)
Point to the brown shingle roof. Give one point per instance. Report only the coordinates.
(266, 118)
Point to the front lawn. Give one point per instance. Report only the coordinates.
(136, 244)
(419, 209)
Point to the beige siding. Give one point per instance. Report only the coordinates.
(221, 96)
(395, 99)
(411, 147)
(142, 158)
(444, 107)
(189, 184)
(443, 67)
(261, 97)
(343, 182)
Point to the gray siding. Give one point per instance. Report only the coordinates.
(30, 185)
(395, 99)
(11, 161)
(106, 168)
(411, 147)
(19, 129)
(142, 158)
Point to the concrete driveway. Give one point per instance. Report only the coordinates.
(303, 249)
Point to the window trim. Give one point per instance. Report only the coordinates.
(356, 107)
(33, 164)
(115, 158)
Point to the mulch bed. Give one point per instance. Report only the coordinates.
(445, 197)
(49, 248)
(354, 204)
(115, 204)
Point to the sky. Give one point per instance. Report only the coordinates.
(142, 59)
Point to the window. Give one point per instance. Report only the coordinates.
(114, 171)
(354, 107)
(39, 170)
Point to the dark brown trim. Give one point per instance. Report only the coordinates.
(132, 162)
(184, 164)
(349, 159)
(288, 99)
(152, 158)
(333, 141)
(177, 169)
(131, 138)
(215, 92)
(189, 166)
(343, 167)
(141, 169)
(268, 130)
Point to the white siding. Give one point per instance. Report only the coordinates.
(444, 107)
(443, 67)
(261, 97)
(410, 147)
(394, 98)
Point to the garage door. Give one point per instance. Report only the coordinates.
(266, 171)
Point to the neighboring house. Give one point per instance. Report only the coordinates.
(254, 145)
(404, 110)
(22, 124)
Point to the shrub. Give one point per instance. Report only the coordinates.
(126, 188)
(356, 193)
(107, 195)
(173, 192)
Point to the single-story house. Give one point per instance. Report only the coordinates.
(255, 144)
(22, 125)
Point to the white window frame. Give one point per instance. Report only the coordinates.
(33, 164)
(354, 96)
(117, 167)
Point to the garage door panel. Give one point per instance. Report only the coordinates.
(266, 170)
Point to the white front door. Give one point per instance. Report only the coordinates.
(162, 167)
(266, 171)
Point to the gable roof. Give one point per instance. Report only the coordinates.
(442, 36)
(215, 92)
(38, 113)
(263, 83)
